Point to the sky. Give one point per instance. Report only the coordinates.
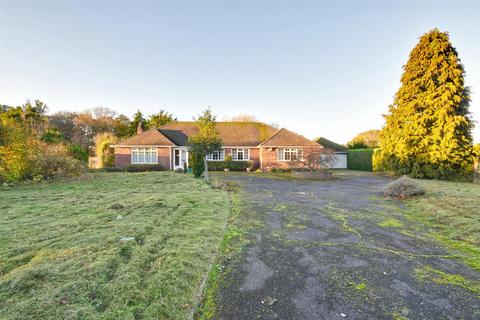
(317, 68)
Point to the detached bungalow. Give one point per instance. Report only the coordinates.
(264, 145)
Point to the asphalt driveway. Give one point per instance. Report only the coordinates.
(337, 250)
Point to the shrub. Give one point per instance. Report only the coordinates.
(196, 161)
(232, 165)
(54, 165)
(78, 152)
(379, 160)
(402, 188)
(275, 169)
(144, 167)
(360, 159)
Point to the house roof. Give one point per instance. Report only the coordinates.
(286, 138)
(245, 134)
(331, 145)
(248, 134)
(146, 138)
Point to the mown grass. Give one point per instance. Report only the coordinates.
(451, 211)
(62, 257)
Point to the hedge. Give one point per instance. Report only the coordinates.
(232, 165)
(360, 159)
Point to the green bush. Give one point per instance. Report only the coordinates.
(53, 165)
(78, 152)
(144, 167)
(280, 170)
(196, 161)
(360, 159)
(232, 165)
(379, 160)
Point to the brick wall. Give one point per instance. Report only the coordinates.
(123, 157)
(164, 157)
(253, 153)
(270, 159)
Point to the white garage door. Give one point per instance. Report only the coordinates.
(341, 162)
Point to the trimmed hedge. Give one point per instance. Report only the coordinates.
(232, 165)
(360, 159)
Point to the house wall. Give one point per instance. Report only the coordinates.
(253, 154)
(269, 158)
(123, 157)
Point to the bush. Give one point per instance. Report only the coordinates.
(379, 160)
(274, 170)
(402, 188)
(360, 159)
(144, 167)
(232, 165)
(78, 152)
(196, 161)
(53, 165)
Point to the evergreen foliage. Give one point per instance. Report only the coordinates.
(428, 128)
(206, 141)
(137, 118)
(160, 119)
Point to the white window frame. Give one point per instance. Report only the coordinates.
(220, 155)
(290, 152)
(245, 154)
(144, 155)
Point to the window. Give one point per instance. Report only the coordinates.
(240, 154)
(144, 155)
(287, 154)
(216, 155)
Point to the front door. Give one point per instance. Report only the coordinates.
(180, 158)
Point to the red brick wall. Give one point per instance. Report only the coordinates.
(253, 154)
(164, 157)
(270, 160)
(123, 157)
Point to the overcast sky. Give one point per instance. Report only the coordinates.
(318, 68)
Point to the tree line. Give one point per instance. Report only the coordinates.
(35, 146)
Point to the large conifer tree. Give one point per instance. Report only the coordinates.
(428, 128)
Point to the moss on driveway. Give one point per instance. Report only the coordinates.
(338, 249)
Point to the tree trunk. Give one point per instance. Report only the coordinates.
(205, 173)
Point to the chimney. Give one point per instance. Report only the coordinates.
(139, 128)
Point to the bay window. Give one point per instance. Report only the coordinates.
(144, 155)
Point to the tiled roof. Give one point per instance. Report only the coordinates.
(248, 134)
(149, 137)
(245, 134)
(285, 138)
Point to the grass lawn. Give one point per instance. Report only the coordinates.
(451, 211)
(62, 255)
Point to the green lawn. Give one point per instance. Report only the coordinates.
(62, 257)
(451, 211)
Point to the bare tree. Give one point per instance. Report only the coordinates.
(314, 159)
